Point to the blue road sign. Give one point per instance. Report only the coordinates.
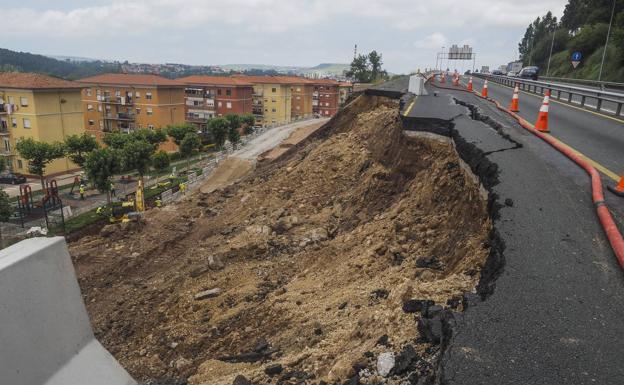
(576, 56)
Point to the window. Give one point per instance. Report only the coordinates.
(11, 100)
(89, 107)
(91, 122)
(13, 122)
(219, 104)
(298, 89)
(150, 126)
(26, 122)
(117, 93)
(273, 100)
(228, 105)
(274, 90)
(326, 112)
(297, 108)
(273, 110)
(298, 97)
(88, 90)
(101, 124)
(19, 164)
(98, 92)
(100, 107)
(138, 111)
(219, 91)
(228, 92)
(137, 95)
(148, 95)
(7, 145)
(148, 110)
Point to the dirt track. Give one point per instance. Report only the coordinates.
(315, 256)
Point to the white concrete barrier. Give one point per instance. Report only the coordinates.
(45, 333)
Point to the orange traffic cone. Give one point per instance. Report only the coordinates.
(513, 107)
(455, 80)
(619, 189)
(469, 84)
(484, 91)
(542, 118)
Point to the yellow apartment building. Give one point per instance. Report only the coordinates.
(271, 100)
(126, 102)
(40, 107)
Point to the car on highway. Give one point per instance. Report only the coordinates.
(529, 73)
(497, 72)
(11, 178)
(512, 74)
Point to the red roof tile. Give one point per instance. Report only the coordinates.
(215, 80)
(274, 79)
(34, 81)
(131, 79)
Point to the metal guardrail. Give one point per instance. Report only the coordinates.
(593, 83)
(558, 90)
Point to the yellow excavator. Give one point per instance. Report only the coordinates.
(131, 209)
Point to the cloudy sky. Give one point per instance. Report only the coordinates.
(285, 32)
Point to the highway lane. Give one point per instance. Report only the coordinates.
(607, 106)
(598, 137)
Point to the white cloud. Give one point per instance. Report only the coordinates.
(435, 40)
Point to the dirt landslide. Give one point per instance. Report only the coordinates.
(324, 267)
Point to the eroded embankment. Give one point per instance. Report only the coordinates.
(325, 263)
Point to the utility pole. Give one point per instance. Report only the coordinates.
(552, 43)
(604, 52)
(355, 52)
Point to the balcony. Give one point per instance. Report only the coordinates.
(119, 116)
(258, 94)
(2, 109)
(116, 100)
(195, 119)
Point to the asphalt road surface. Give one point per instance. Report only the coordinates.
(599, 137)
(555, 314)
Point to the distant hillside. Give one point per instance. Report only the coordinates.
(337, 68)
(329, 68)
(28, 62)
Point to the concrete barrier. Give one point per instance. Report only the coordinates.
(45, 333)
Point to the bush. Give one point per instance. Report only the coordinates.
(160, 161)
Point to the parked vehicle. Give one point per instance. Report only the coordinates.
(12, 178)
(529, 73)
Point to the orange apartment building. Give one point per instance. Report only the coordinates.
(126, 102)
(210, 96)
(302, 91)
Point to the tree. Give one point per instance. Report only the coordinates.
(116, 139)
(360, 69)
(137, 155)
(155, 137)
(78, 146)
(39, 155)
(376, 72)
(3, 163)
(160, 161)
(190, 142)
(233, 135)
(219, 129)
(6, 210)
(178, 132)
(100, 165)
(248, 121)
(234, 120)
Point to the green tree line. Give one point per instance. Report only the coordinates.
(583, 28)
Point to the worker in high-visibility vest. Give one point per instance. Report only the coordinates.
(158, 202)
(100, 210)
(82, 192)
(183, 188)
(112, 190)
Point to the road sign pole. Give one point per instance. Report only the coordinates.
(552, 43)
(604, 51)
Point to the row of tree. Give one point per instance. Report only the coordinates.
(583, 28)
(137, 151)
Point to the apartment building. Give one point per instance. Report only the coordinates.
(210, 96)
(40, 107)
(126, 102)
(345, 89)
(271, 99)
(326, 98)
(301, 90)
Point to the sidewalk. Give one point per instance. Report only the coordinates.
(555, 313)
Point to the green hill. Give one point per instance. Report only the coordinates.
(583, 28)
(28, 62)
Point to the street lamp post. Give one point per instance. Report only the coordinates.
(604, 51)
(552, 43)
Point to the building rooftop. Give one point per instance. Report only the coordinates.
(32, 81)
(274, 79)
(215, 80)
(132, 79)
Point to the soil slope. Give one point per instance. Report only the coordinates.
(313, 257)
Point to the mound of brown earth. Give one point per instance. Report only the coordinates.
(307, 263)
